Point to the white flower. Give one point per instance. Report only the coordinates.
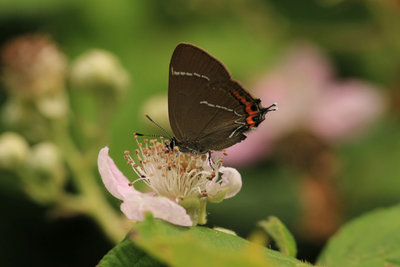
(181, 183)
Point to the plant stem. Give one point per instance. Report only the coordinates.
(97, 206)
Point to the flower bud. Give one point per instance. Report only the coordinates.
(99, 70)
(14, 150)
(46, 158)
(32, 66)
(54, 105)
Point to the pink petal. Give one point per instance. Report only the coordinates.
(305, 62)
(231, 179)
(345, 110)
(116, 183)
(136, 203)
(135, 206)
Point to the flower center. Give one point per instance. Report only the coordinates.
(172, 174)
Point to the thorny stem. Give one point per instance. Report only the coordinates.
(94, 200)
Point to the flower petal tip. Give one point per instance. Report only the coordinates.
(136, 206)
(232, 179)
(116, 183)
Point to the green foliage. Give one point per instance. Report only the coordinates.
(370, 169)
(281, 235)
(127, 254)
(194, 246)
(360, 37)
(371, 240)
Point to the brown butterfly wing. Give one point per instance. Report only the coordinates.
(191, 70)
(197, 81)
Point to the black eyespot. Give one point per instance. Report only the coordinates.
(253, 107)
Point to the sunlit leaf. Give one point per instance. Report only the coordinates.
(281, 235)
(194, 246)
(371, 240)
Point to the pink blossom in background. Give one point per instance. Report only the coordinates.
(345, 109)
(309, 99)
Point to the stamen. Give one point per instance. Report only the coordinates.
(172, 174)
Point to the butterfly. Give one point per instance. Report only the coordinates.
(208, 109)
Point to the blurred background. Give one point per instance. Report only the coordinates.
(79, 75)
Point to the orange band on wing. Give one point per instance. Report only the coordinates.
(251, 123)
(252, 113)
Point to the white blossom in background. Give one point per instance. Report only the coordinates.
(33, 66)
(34, 72)
(99, 70)
(14, 150)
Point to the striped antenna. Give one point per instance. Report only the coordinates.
(156, 124)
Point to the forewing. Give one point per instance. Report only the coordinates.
(191, 72)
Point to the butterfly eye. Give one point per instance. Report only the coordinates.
(253, 107)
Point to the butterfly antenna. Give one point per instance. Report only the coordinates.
(156, 124)
(273, 107)
(148, 135)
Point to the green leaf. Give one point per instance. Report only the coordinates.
(127, 254)
(281, 235)
(371, 240)
(194, 246)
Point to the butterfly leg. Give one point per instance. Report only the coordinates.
(210, 161)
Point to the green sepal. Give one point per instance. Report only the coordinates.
(192, 206)
(219, 196)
